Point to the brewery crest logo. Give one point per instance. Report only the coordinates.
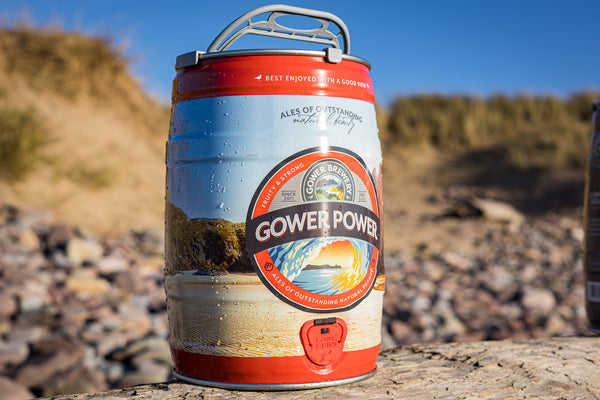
(313, 230)
(328, 180)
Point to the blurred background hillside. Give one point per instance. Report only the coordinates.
(483, 198)
(81, 138)
(77, 133)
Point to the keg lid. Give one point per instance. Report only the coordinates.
(271, 28)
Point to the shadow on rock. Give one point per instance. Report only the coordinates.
(532, 191)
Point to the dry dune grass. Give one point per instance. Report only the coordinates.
(79, 136)
(544, 133)
(99, 163)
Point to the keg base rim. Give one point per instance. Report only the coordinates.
(273, 387)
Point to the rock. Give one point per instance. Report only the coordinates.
(29, 240)
(12, 354)
(85, 284)
(151, 348)
(555, 324)
(577, 233)
(59, 236)
(77, 380)
(401, 331)
(114, 371)
(35, 219)
(130, 281)
(11, 390)
(31, 302)
(9, 214)
(160, 324)
(49, 357)
(387, 341)
(111, 264)
(558, 368)
(457, 261)
(538, 301)
(109, 343)
(498, 280)
(147, 372)
(73, 317)
(8, 305)
(421, 303)
(450, 325)
(434, 271)
(27, 334)
(80, 250)
(499, 211)
(151, 240)
(136, 320)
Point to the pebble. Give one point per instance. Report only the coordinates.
(11, 390)
(514, 283)
(149, 371)
(499, 211)
(12, 354)
(111, 264)
(85, 284)
(82, 314)
(8, 305)
(29, 240)
(69, 302)
(538, 301)
(80, 250)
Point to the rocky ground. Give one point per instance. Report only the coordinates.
(80, 314)
(511, 277)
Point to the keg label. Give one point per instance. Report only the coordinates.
(313, 230)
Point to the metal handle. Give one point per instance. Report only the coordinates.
(271, 28)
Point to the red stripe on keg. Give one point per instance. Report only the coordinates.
(272, 370)
(273, 75)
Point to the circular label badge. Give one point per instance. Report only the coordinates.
(313, 230)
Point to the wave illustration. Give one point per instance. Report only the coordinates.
(292, 258)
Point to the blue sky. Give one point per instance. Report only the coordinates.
(451, 47)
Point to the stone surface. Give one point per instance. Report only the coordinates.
(110, 303)
(80, 250)
(50, 357)
(11, 390)
(559, 368)
(499, 211)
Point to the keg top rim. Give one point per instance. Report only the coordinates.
(192, 58)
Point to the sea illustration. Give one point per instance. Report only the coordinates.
(325, 266)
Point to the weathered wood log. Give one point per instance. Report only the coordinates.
(559, 368)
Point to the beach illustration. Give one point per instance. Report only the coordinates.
(325, 266)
